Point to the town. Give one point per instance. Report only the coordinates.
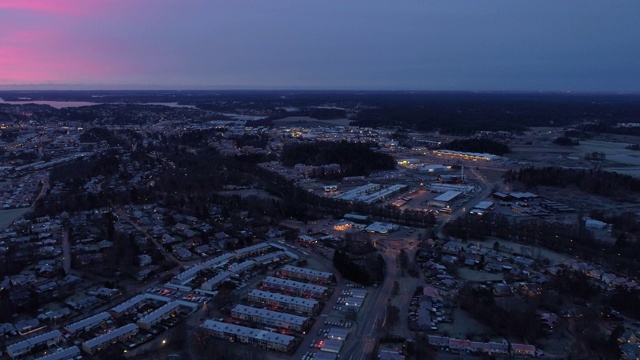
(133, 230)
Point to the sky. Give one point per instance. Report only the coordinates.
(506, 45)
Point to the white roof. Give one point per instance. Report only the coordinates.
(90, 321)
(484, 205)
(448, 196)
(294, 284)
(108, 337)
(300, 270)
(252, 248)
(268, 314)
(62, 354)
(238, 268)
(337, 334)
(268, 256)
(216, 280)
(128, 304)
(159, 312)
(247, 332)
(33, 341)
(283, 298)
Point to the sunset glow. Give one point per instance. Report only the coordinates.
(331, 44)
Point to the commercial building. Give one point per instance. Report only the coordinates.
(337, 334)
(354, 194)
(307, 274)
(295, 287)
(466, 155)
(331, 346)
(305, 306)
(101, 342)
(247, 335)
(445, 199)
(270, 318)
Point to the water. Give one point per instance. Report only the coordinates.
(54, 104)
(65, 104)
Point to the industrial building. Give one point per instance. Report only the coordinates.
(331, 346)
(337, 334)
(295, 287)
(307, 274)
(306, 306)
(136, 302)
(445, 199)
(466, 155)
(381, 228)
(102, 342)
(247, 335)
(270, 318)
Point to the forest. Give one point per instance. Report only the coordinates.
(595, 182)
(477, 145)
(354, 159)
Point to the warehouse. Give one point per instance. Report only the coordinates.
(331, 346)
(306, 274)
(444, 200)
(270, 318)
(381, 228)
(484, 205)
(306, 306)
(247, 335)
(103, 341)
(337, 334)
(295, 287)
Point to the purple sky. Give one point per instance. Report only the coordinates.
(586, 45)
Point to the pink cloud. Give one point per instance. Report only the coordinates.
(63, 7)
(37, 56)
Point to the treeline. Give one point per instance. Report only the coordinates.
(564, 238)
(367, 271)
(355, 159)
(519, 320)
(566, 141)
(595, 182)
(99, 134)
(468, 113)
(478, 145)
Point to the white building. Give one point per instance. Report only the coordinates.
(270, 318)
(306, 306)
(103, 341)
(247, 335)
(87, 324)
(306, 274)
(26, 346)
(295, 287)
